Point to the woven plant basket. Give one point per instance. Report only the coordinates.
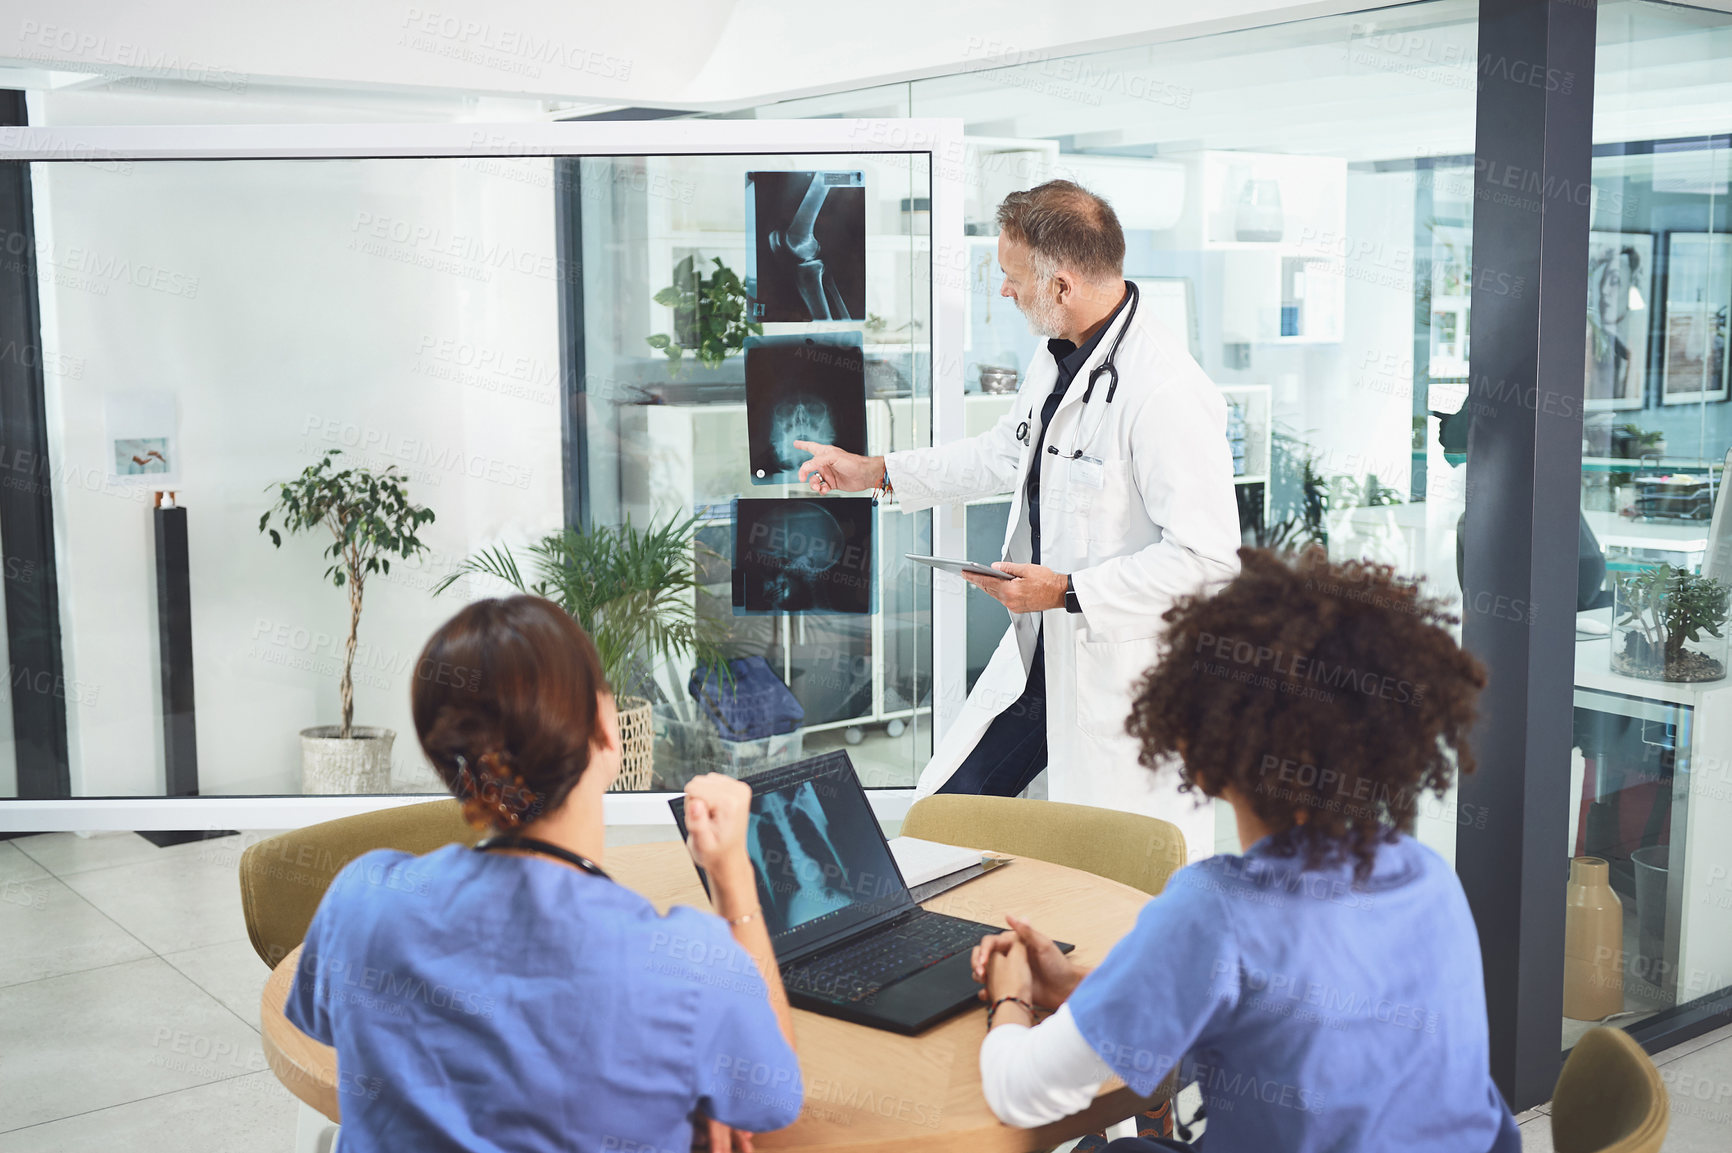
(637, 740)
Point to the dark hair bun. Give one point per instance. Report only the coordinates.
(505, 706)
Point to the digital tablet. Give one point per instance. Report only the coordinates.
(959, 566)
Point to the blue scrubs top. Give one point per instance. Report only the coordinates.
(486, 1001)
(1316, 1014)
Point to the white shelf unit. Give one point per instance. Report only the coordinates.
(1279, 223)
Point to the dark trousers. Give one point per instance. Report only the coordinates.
(1012, 751)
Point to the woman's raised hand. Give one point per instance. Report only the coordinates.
(716, 809)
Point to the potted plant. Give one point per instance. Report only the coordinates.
(711, 315)
(633, 591)
(1661, 612)
(370, 519)
(1298, 493)
(1633, 441)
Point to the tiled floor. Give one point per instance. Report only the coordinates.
(129, 1009)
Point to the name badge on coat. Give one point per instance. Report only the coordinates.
(1088, 472)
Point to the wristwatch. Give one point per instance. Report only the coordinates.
(1071, 604)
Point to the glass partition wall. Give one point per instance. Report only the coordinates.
(1651, 779)
(712, 345)
(496, 328)
(1297, 203)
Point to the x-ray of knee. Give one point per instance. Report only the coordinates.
(808, 258)
(810, 388)
(803, 555)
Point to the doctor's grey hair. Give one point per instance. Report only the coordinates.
(1066, 226)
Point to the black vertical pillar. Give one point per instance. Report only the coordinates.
(1530, 225)
(36, 676)
(573, 370)
(174, 646)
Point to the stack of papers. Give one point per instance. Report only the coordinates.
(924, 861)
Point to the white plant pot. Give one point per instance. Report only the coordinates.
(360, 764)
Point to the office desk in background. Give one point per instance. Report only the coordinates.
(866, 1090)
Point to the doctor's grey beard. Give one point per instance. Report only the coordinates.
(1041, 312)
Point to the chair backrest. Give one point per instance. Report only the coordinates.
(1138, 851)
(284, 877)
(1609, 1098)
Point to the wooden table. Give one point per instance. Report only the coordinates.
(866, 1090)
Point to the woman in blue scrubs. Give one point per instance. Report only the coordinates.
(512, 997)
(1323, 988)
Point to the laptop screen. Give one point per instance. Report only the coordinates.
(821, 861)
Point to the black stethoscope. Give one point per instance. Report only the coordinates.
(1105, 368)
(532, 845)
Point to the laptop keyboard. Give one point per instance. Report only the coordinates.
(860, 968)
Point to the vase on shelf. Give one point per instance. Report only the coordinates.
(1259, 219)
(1593, 943)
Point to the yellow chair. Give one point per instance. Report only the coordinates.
(1609, 1098)
(284, 877)
(1135, 850)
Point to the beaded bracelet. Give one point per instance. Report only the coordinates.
(992, 1011)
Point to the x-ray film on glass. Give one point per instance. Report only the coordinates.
(807, 260)
(810, 388)
(803, 555)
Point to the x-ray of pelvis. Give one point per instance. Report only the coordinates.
(810, 388)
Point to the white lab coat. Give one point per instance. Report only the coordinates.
(1155, 519)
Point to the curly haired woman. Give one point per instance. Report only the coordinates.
(512, 997)
(1324, 987)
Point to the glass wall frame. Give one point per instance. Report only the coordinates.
(119, 149)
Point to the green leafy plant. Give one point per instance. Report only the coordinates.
(1638, 440)
(712, 315)
(1373, 493)
(370, 519)
(1298, 494)
(632, 590)
(1669, 607)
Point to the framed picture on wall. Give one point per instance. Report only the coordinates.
(141, 441)
(1620, 285)
(1698, 298)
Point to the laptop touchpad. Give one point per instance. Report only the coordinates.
(931, 993)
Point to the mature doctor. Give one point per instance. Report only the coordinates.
(1117, 446)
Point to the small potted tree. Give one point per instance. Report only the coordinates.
(1661, 615)
(370, 519)
(634, 592)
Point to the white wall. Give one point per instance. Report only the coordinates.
(283, 325)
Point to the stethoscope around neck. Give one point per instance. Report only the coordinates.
(1106, 368)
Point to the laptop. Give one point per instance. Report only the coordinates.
(850, 941)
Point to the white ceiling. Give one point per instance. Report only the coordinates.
(1397, 81)
(693, 54)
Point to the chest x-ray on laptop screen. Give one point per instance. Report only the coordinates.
(821, 861)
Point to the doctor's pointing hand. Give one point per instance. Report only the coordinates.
(1035, 588)
(1116, 451)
